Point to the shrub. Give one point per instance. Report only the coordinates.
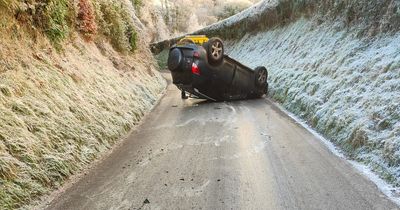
(86, 19)
(137, 4)
(56, 25)
(55, 18)
(120, 28)
(116, 26)
(130, 32)
(52, 17)
(132, 38)
(101, 23)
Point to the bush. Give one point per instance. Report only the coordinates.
(131, 33)
(55, 18)
(116, 26)
(52, 17)
(86, 19)
(99, 16)
(137, 4)
(55, 21)
(120, 28)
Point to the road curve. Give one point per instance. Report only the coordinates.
(233, 155)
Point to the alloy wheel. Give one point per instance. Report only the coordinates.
(262, 77)
(216, 50)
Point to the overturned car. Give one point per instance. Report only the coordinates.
(199, 66)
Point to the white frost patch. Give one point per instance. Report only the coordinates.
(304, 124)
(346, 86)
(391, 192)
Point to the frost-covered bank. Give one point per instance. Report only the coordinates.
(336, 64)
(61, 108)
(346, 87)
(338, 68)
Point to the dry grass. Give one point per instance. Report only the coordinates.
(59, 111)
(86, 19)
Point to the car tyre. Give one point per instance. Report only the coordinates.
(215, 51)
(261, 76)
(175, 59)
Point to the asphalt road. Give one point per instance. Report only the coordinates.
(233, 155)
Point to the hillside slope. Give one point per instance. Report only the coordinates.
(346, 87)
(336, 64)
(64, 102)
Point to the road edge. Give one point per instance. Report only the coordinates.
(387, 189)
(46, 200)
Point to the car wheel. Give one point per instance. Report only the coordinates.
(175, 58)
(215, 51)
(261, 76)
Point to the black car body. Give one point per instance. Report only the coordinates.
(206, 72)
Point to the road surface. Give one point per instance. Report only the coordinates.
(233, 155)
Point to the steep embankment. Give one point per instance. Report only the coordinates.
(66, 97)
(336, 64)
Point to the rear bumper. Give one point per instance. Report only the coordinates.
(192, 90)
